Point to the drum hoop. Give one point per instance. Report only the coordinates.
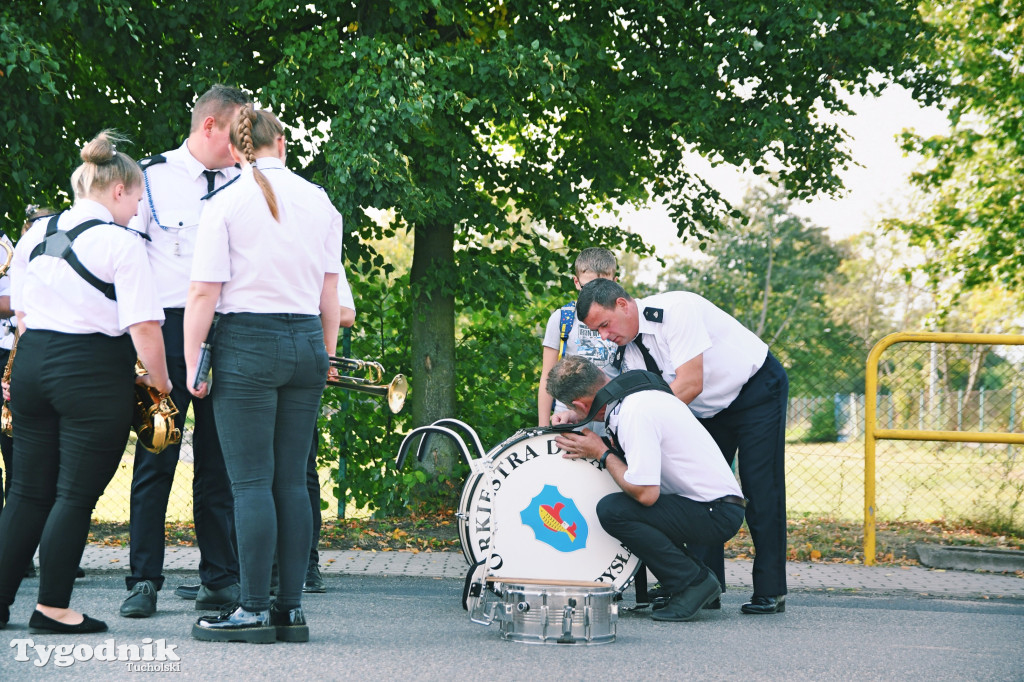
(506, 582)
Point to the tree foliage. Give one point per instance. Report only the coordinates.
(973, 174)
(494, 130)
(772, 271)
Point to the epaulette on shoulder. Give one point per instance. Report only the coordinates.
(152, 161)
(137, 233)
(226, 184)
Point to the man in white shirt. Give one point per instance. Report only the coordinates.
(175, 184)
(736, 388)
(677, 489)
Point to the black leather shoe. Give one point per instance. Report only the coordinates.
(141, 601)
(688, 603)
(239, 625)
(762, 605)
(80, 573)
(662, 602)
(290, 624)
(5, 615)
(215, 600)
(39, 624)
(187, 591)
(314, 581)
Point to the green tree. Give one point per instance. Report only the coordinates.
(771, 271)
(477, 120)
(973, 174)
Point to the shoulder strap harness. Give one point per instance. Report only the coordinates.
(618, 388)
(58, 245)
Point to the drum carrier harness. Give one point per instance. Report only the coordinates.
(58, 244)
(627, 383)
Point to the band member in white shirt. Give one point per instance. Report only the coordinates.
(267, 260)
(83, 291)
(676, 487)
(175, 183)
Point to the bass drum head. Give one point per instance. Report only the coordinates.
(474, 514)
(544, 521)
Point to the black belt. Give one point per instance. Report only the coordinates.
(731, 499)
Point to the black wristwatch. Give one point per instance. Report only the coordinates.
(604, 458)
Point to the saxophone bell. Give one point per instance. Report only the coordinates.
(153, 417)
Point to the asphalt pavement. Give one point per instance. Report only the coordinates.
(398, 615)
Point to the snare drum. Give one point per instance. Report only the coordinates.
(531, 514)
(542, 612)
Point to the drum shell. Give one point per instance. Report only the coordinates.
(558, 614)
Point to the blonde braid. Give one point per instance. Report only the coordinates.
(242, 138)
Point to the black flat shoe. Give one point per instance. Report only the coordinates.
(239, 625)
(290, 624)
(765, 605)
(39, 624)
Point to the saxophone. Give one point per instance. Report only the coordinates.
(6, 418)
(153, 418)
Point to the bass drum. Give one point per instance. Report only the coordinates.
(531, 514)
(475, 505)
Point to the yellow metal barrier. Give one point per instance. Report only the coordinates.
(873, 433)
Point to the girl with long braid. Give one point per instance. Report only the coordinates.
(267, 259)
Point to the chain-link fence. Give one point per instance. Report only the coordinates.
(937, 386)
(921, 387)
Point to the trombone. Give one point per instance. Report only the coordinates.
(372, 374)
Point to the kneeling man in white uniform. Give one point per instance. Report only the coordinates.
(677, 489)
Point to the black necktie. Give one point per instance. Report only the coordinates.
(652, 366)
(210, 175)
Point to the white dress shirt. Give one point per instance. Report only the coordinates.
(53, 296)
(666, 446)
(169, 213)
(692, 325)
(268, 266)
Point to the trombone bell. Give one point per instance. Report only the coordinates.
(395, 392)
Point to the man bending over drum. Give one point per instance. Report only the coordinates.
(677, 489)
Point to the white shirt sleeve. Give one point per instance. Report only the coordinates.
(640, 439)
(137, 298)
(684, 334)
(212, 259)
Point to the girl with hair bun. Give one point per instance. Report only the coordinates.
(267, 259)
(83, 294)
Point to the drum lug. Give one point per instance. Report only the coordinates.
(568, 611)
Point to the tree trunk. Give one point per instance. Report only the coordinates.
(433, 337)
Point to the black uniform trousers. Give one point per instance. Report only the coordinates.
(661, 535)
(72, 399)
(212, 503)
(755, 426)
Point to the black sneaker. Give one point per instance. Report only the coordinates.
(314, 581)
(141, 601)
